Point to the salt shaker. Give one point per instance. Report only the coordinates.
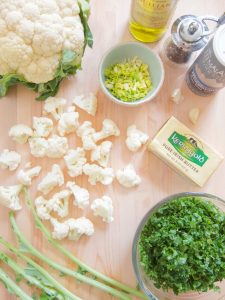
(189, 33)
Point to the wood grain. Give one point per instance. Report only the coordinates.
(109, 250)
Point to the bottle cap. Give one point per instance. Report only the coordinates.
(190, 32)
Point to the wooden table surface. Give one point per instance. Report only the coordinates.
(109, 250)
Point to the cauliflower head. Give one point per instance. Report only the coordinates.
(41, 42)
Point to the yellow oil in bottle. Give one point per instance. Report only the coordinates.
(149, 18)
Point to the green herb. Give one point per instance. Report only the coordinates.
(182, 245)
(128, 81)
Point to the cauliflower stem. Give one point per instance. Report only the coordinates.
(12, 287)
(83, 274)
(69, 63)
(37, 272)
(25, 245)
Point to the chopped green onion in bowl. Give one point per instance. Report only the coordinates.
(129, 80)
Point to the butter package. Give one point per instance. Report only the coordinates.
(184, 151)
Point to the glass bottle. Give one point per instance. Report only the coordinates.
(149, 18)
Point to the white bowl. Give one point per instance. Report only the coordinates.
(123, 51)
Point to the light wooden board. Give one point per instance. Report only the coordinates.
(109, 250)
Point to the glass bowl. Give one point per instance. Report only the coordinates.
(144, 282)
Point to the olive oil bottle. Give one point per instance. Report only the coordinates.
(149, 18)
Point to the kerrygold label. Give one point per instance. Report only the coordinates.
(188, 148)
(185, 152)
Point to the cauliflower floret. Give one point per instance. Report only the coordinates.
(109, 128)
(75, 160)
(101, 153)
(10, 160)
(43, 126)
(96, 174)
(25, 176)
(38, 146)
(81, 196)
(59, 203)
(68, 122)
(9, 196)
(51, 180)
(128, 177)
(20, 133)
(87, 103)
(42, 210)
(55, 107)
(60, 231)
(78, 227)
(135, 138)
(103, 207)
(57, 146)
(194, 115)
(85, 132)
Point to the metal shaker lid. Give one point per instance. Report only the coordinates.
(190, 32)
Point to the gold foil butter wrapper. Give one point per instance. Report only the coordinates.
(185, 152)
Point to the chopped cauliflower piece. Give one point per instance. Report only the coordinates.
(103, 207)
(177, 96)
(51, 180)
(81, 195)
(20, 133)
(59, 203)
(9, 196)
(57, 146)
(25, 176)
(78, 227)
(38, 146)
(75, 160)
(101, 153)
(87, 103)
(10, 160)
(109, 128)
(96, 174)
(135, 138)
(128, 177)
(85, 132)
(68, 122)
(54, 106)
(42, 126)
(194, 115)
(42, 210)
(60, 231)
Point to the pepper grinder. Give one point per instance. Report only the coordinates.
(189, 33)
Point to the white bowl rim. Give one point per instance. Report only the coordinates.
(138, 102)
